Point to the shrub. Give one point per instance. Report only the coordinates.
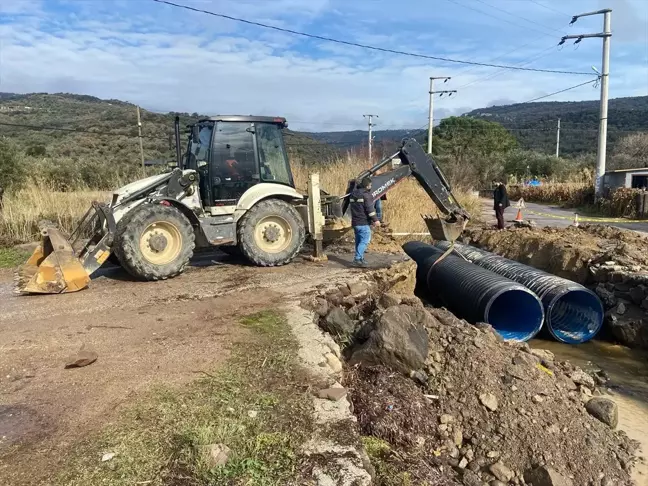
(12, 168)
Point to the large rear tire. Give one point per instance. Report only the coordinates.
(154, 242)
(271, 233)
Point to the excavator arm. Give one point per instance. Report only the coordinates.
(415, 162)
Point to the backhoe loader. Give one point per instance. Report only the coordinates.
(234, 189)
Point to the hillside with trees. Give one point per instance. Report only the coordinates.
(85, 128)
(534, 124)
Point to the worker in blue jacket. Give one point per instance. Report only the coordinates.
(363, 216)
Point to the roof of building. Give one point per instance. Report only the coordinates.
(639, 169)
(242, 118)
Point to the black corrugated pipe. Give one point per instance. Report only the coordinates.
(477, 294)
(574, 314)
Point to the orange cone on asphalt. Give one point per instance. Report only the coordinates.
(519, 215)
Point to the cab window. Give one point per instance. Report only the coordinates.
(272, 156)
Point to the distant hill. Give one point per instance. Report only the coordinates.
(534, 124)
(106, 130)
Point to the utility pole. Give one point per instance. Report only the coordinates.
(604, 76)
(139, 130)
(558, 140)
(431, 115)
(371, 125)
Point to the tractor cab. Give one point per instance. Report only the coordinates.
(233, 153)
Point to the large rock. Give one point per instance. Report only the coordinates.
(501, 472)
(631, 332)
(399, 340)
(604, 409)
(581, 378)
(84, 357)
(400, 278)
(216, 455)
(545, 476)
(637, 294)
(607, 297)
(338, 323)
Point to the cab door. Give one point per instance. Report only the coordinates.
(234, 162)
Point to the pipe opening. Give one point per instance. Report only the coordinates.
(516, 315)
(575, 317)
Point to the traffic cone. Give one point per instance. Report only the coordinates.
(519, 215)
(575, 223)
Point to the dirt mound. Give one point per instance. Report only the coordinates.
(382, 241)
(489, 411)
(471, 409)
(566, 252)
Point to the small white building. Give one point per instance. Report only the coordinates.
(628, 178)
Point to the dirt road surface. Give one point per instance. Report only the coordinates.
(143, 332)
(560, 218)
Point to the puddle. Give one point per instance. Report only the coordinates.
(17, 423)
(628, 385)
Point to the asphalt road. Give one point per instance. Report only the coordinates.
(551, 216)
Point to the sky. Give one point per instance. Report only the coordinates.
(170, 59)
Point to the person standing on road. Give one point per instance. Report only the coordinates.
(501, 202)
(363, 216)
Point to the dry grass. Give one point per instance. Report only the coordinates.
(37, 201)
(573, 194)
(405, 203)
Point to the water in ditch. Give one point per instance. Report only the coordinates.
(627, 385)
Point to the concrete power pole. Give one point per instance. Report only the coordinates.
(139, 131)
(604, 76)
(431, 115)
(371, 125)
(558, 140)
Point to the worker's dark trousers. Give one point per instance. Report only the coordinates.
(499, 214)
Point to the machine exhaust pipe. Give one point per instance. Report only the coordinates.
(574, 314)
(477, 294)
(176, 127)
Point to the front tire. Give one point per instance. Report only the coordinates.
(271, 233)
(155, 242)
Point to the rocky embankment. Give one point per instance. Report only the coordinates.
(441, 401)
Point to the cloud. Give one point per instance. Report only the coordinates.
(168, 59)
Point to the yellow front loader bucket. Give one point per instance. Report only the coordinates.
(53, 268)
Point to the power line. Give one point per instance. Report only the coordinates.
(561, 91)
(364, 46)
(468, 70)
(498, 18)
(549, 8)
(518, 16)
(540, 55)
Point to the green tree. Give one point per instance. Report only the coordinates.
(12, 168)
(471, 151)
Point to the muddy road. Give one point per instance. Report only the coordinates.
(145, 333)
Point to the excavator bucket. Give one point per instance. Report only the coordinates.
(53, 268)
(448, 229)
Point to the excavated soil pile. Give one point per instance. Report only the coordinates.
(566, 252)
(490, 411)
(456, 405)
(382, 241)
(611, 261)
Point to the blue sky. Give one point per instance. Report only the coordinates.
(165, 58)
